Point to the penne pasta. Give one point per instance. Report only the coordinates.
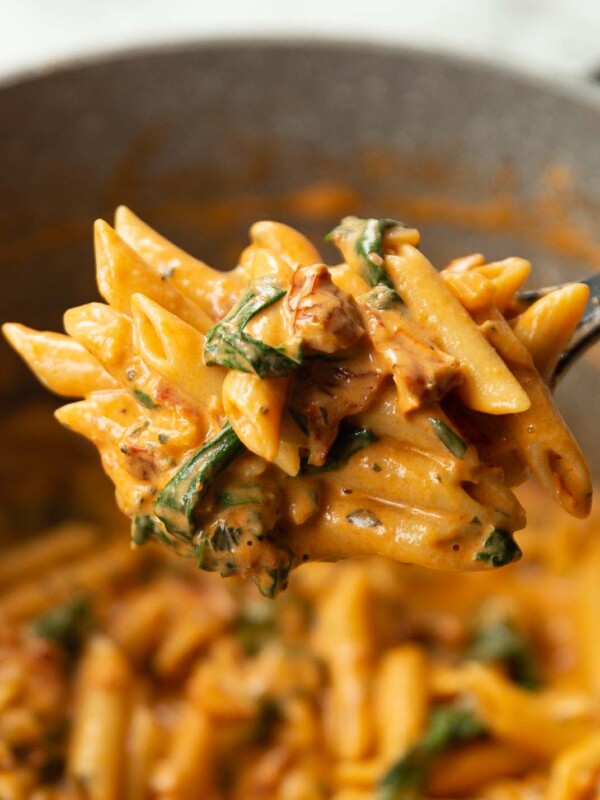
(488, 384)
(96, 751)
(240, 409)
(281, 413)
(61, 364)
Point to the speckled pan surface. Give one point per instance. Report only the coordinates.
(202, 139)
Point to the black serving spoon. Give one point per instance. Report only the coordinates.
(585, 335)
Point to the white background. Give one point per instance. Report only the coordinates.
(549, 36)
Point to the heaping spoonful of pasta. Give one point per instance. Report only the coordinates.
(286, 411)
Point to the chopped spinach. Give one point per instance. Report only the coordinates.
(301, 420)
(349, 441)
(453, 442)
(381, 298)
(230, 346)
(178, 500)
(146, 527)
(67, 625)
(366, 237)
(145, 399)
(447, 726)
(499, 549)
(242, 494)
(274, 580)
(502, 642)
(225, 539)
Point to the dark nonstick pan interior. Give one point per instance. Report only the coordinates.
(203, 139)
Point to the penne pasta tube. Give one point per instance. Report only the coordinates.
(285, 243)
(586, 612)
(260, 262)
(121, 273)
(344, 640)
(542, 724)
(401, 700)
(61, 364)
(184, 639)
(16, 784)
(466, 772)
(101, 572)
(145, 742)
(97, 748)
(173, 349)
(189, 761)
(212, 290)
(546, 326)
(488, 384)
(254, 407)
(141, 624)
(64, 542)
(507, 276)
(540, 433)
(575, 771)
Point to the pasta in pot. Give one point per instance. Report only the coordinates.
(286, 411)
(131, 675)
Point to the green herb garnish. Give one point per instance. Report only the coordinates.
(499, 549)
(229, 345)
(453, 442)
(145, 399)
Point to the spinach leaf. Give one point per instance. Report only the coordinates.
(68, 625)
(230, 346)
(502, 642)
(499, 549)
(178, 500)
(447, 726)
(349, 441)
(453, 442)
(241, 494)
(273, 580)
(365, 236)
